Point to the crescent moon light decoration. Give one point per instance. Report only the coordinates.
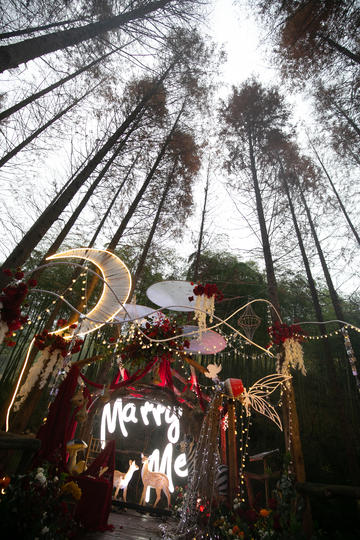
(116, 290)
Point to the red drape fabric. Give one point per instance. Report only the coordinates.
(165, 373)
(93, 509)
(139, 374)
(60, 424)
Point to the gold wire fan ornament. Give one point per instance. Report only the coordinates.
(249, 322)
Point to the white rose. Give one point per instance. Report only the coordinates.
(45, 530)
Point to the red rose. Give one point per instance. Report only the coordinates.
(32, 282)
(7, 272)
(19, 274)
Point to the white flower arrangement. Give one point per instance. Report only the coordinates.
(40, 371)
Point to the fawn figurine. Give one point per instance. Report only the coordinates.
(158, 481)
(121, 480)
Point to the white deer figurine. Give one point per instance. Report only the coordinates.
(158, 481)
(121, 480)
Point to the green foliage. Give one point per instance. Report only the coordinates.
(38, 505)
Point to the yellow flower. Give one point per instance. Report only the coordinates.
(72, 489)
(264, 512)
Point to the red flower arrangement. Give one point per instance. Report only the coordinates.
(279, 332)
(12, 297)
(54, 341)
(140, 350)
(209, 290)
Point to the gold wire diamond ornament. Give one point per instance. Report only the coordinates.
(249, 321)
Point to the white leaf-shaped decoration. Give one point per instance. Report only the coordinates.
(254, 397)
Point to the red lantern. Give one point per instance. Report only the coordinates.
(234, 388)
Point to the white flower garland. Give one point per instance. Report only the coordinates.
(40, 371)
(50, 367)
(204, 306)
(294, 357)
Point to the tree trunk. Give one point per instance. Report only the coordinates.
(115, 240)
(15, 54)
(24, 248)
(355, 233)
(336, 390)
(146, 248)
(8, 112)
(311, 282)
(37, 132)
(290, 416)
(270, 273)
(201, 234)
(105, 216)
(33, 29)
(344, 114)
(342, 50)
(333, 294)
(61, 237)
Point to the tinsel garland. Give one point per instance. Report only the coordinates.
(351, 356)
(40, 372)
(201, 484)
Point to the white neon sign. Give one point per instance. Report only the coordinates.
(120, 414)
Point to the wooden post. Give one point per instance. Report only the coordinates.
(233, 468)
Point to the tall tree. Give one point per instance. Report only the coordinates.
(176, 196)
(22, 251)
(292, 166)
(14, 151)
(310, 36)
(341, 204)
(131, 210)
(15, 54)
(250, 117)
(202, 225)
(30, 99)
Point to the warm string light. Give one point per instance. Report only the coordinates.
(243, 451)
(330, 334)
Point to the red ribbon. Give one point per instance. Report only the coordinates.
(165, 373)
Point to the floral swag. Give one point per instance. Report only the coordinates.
(53, 350)
(290, 337)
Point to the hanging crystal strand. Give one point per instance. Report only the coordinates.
(351, 355)
(202, 480)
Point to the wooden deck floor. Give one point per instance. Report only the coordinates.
(131, 525)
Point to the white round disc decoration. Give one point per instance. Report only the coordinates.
(116, 285)
(136, 312)
(172, 295)
(210, 341)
